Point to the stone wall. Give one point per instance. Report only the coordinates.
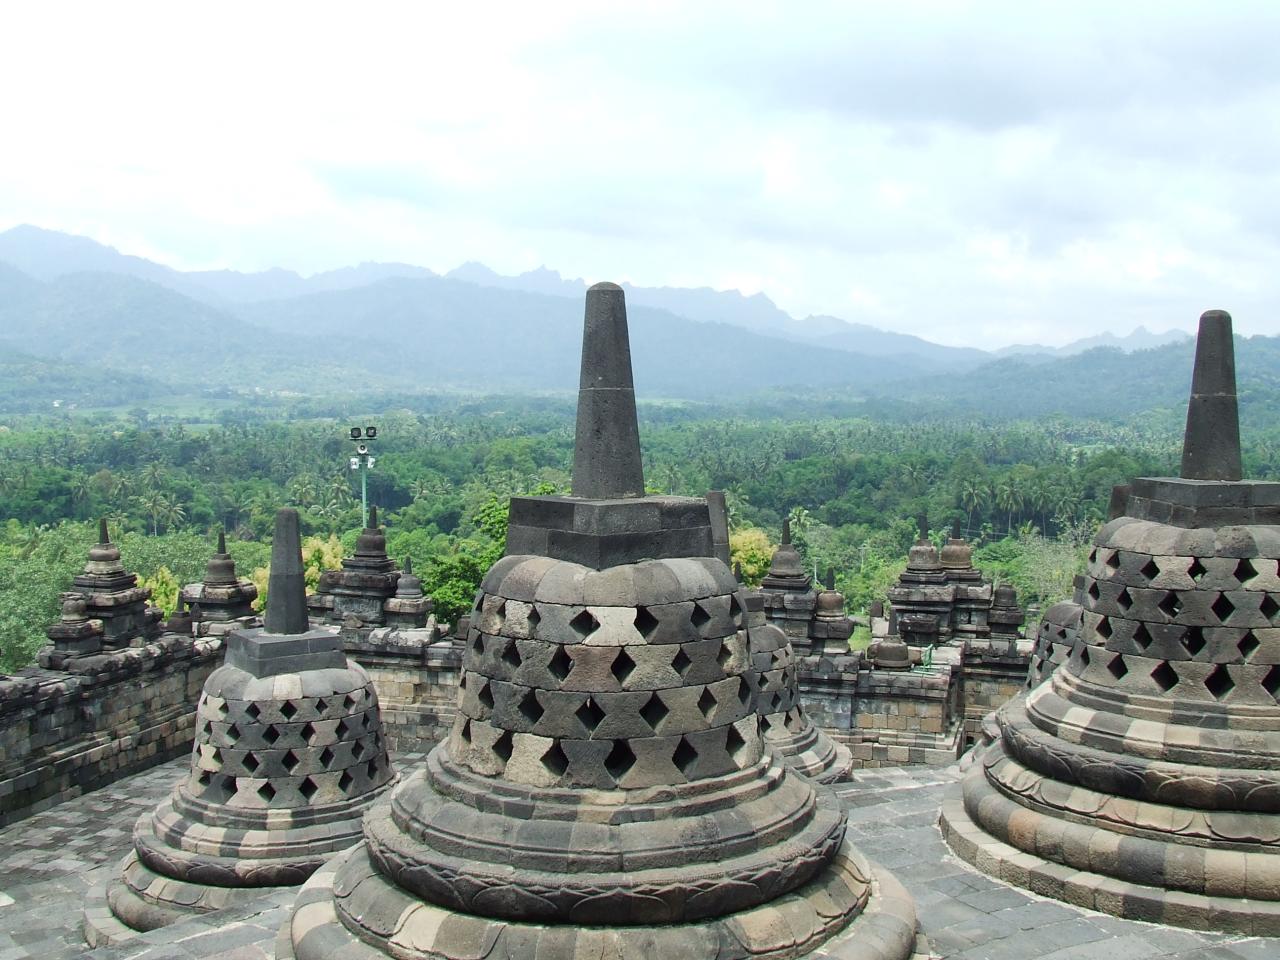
(416, 676)
(66, 732)
(993, 671)
(884, 717)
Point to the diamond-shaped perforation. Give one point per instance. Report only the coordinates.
(685, 757)
(1084, 655)
(371, 769)
(622, 667)
(326, 758)
(1165, 676)
(485, 695)
(290, 761)
(252, 711)
(744, 692)
(1150, 569)
(1116, 667)
(233, 733)
(1170, 604)
(288, 710)
(251, 762)
(1093, 555)
(322, 705)
(511, 655)
(465, 732)
(584, 624)
(645, 622)
(681, 663)
(1123, 600)
(735, 610)
(1193, 640)
(700, 618)
(1094, 592)
(725, 656)
(1223, 608)
(307, 788)
(1269, 608)
(1113, 560)
(345, 781)
(1248, 645)
(1219, 682)
(477, 645)
(348, 702)
(560, 665)
(530, 708)
(707, 702)
(271, 734)
(1245, 571)
(357, 750)
(222, 710)
(554, 760)
(341, 730)
(1142, 636)
(654, 711)
(267, 792)
(1104, 628)
(1271, 682)
(620, 760)
(733, 743)
(502, 746)
(1197, 570)
(590, 715)
(533, 619)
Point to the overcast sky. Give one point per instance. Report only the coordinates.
(980, 173)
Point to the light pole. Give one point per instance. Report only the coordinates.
(364, 461)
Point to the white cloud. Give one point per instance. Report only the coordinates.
(973, 172)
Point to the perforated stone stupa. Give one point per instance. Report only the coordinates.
(1143, 777)
(605, 790)
(786, 728)
(288, 755)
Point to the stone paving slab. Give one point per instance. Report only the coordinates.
(48, 863)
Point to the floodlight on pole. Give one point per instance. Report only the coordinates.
(363, 461)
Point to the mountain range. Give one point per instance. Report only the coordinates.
(68, 300)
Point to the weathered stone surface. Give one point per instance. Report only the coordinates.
(288, 753)
(1144, 766)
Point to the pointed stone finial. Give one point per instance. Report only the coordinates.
(606, 451)
(373, 517)
(103, 535)
(286, 587)
(1211, 444)
(222, 541)
(407, 569)
(955, 530)
(830, 581)
(922, 522)
(786, 531)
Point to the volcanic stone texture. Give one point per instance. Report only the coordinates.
(786, 728)
(284, 764)
(604, 791)
(1143, 778)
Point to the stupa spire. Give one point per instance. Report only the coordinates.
(606, 452)
(1211, 444)
(287, 590)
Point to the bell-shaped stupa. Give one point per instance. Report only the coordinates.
(605, 790)
(288, 755)
(1143, 777)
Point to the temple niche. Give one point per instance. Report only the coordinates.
(605, 789)
(1141, 776)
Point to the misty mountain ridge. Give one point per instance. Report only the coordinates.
(47, 254)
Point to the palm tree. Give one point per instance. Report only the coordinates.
(1008, 498)
(973, 494)
(174, 514)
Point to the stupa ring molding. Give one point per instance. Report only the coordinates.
(1156, 779)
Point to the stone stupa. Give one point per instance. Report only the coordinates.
(288, 754)
(1142, 778)
(605, 790)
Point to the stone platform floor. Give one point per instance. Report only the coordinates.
(50, 861)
